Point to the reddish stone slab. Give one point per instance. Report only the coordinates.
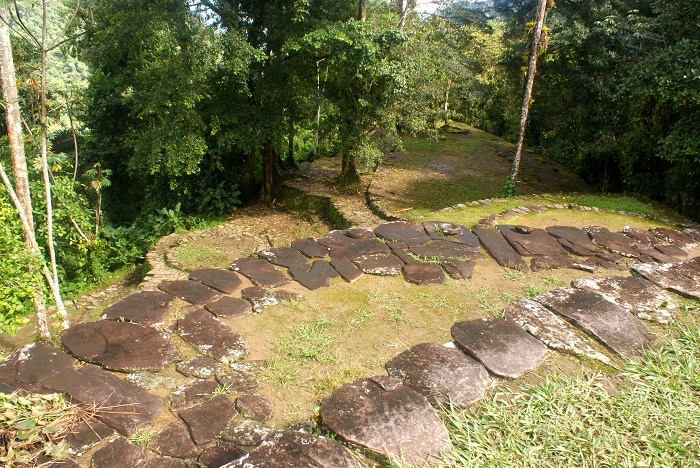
(207, 419)
(212, 337)
(532, 241)
(642, 236)
(144, 307)
(85, 435)
(617, 329)
(174, 441)
(247, 433)
(693, 233)
(402, 231)
(259, 298)
(219, 455)
(229, 307)
(120, 346)
(675, 237)
(497, 246)
(360, 232)
(671, 250)
(193, 292)
(292, 449)
(612, 241)
(424, 273)
(500, 345)
(445, 250)
(689, 268)
(379, 264)
(443, 375)
(255, 407)
(28, 367)
(574, 240)
(286, 257)
(441, 230)
(358, 247)
(335, 239)
(346, 269)
(459, 269)
(222, 280)
(165, 462)
(260, 272)
(199, 366)
(310, 248)
(545, 262)
(118, 453)
(192, 394)
(319, 276)
(653, 253)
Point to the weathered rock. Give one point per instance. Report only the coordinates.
(642, 236)
(174, 441)
(459, 269)
(599, 262)
(229, 307)
(144, 307)
(207, 419)
(612, 241)
(238, 381)
(248, 433)
(334, 239)
(501, 346)
(192, 394)
(219, 455)
(259, 297)
(310, 248)
(550, 329)
(440, 230)
(379, 264)
(222, 280)
(7, 388)
(636, 295)
(193, 292)
(150, 380)
(693, 233)
(199, 366)
(671, 250)
(497, 246)
(212, 337)
(545, 262)
(617, 329)
(689, 268)
(286, 257)
(668, 277)
(532, 241)
(260, 272)
(444, 250)
(282, 295)
(360, 232)
(424, 273)
(319, 276)
(291, 449)
(28, 367)
(255, 407)
(359, 247)
(118, 453)
(387, 418)
(120, 346)
(85, 435)
(675, 237)
(250, 367)
(653, 253)
(402, 231)
(164, 462)
(401, 250)
(443, 375)
(346, 269)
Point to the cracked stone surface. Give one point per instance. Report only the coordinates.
(207, 419)
(379, 264)
(654, 253)
(222, 280)
(318, 277)
(575, 240)
(192, 394)
(193, 292)
(165, 462)
(441, 230)
(85, 435)
(402, 231)
(238, 381)
(358, 247)
(28, 367)
(259, 298)
(499, 248)
(151, 380)
(255, 407)
(260, 272)
(219, 455)
(246, 432)
(199, 366)
(643, 236)
(501, 346)
(230, 307)
(532, 241)
(550, 329)
(636, 295)
(286, 257)
(609, 323)
(459, 269)
(387, 418)
(612, 241)
(443, 375)
(675, 237)
(667, 277)
(212, 337)
(120, 346)
(143, 307)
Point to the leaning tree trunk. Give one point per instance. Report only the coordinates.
(531, 70)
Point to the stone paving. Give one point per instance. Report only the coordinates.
(390, 416)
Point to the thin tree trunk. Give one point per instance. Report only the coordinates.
(531, 70)
(447, 101)
(361, 10)
(270, 173)
(318, 107)
(290, 161)
(405, 11)
(75, 145)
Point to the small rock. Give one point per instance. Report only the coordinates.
(255, 407)
(259, 297)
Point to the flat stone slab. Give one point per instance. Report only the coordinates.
(318, 277)
(248, 433)
(609, 323)
(675, 237)
(346, 269)
(693, 233)
(260, 272)
(118, 453)
(230, 307)
(120, 346)
(529, 242)
(222, 280)
(402, 231)
(358, 247)
(654, 253)
(424, 273)
(443, 375)
(612, 241)
(199, 366)
(671, 250)
(192, 394)
(85, 435)
(546, 262)
(174, 441)
(336, 238)
(292, 449)
(282, 295)
(259, 298)
(668, 277)
(310, 248)
(212, 337)
(237, 381)
(150, 380)
(219, 455)
(499, 248)
(575, 240)
(441, 230)
(642, 236)
(388, 418)
(379, 264)
(360, 232)
(28, 367)
(255, 407)
(144, 307)
(501, 346)
(550, 329)
(459, 269)
(401, 250)
(636, 295)
(285, 257)
(207, 419)
(689, 268)
(193, 292)
(444, 250)
(165, 462)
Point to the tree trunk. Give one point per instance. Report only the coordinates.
(349, 179)
(271, 172)
(447, 101)
(531, 70)
(361, 10)
(75, 145)
(405, 11)
(290, 162)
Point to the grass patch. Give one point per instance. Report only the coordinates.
(651, 419)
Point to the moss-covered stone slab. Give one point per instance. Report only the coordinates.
(193, 292)
(222, 280)
(143, 307)
(402, 231)
(260, 272)
(212, 337)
